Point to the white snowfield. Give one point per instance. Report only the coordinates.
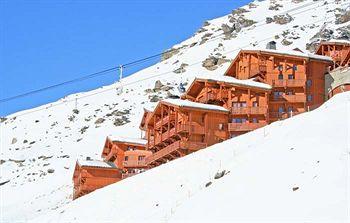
(39, 147)
(295, 170)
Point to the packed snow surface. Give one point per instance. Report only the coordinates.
(295, 170)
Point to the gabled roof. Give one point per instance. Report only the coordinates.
(136, 141)
(190, 104)
(288, 53)
(292, 53)
(96, 163)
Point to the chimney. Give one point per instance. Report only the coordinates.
(271, 45)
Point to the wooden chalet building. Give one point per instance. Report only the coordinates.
(338, 50)
(90, 175)
(128, 154)
(247, 100)
(178, 127)
(297, 78)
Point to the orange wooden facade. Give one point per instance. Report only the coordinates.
(90, 175)
(176, 130)
(280, 84)
(128, 154)
(339, 51)
(248, 105)
(297, 79)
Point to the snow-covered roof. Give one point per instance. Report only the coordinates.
(340, 76)
(138, 141)
(191, 104)
(96, 163)
(341, 41)
(291, 53)
(149, 107)
(235, 81)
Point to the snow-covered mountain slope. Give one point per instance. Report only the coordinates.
(295, 170)
(40, 146)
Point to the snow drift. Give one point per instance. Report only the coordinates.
(295, 170)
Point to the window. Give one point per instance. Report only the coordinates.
(309, 97)
(221, 126)
(295, 67)
(255, 120)
(277, 94)
(280, 77)
(290, 109)
(126, 158)
(244, 120)
(280, 110)
(140, 158)
(237, 120)
(290, 93)
(244, 104)
(280, 67)
(290, 76)
(255, 104)
(308, 83)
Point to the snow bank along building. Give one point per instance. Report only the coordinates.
(259, 87)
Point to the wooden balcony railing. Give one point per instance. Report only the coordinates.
(166, 119)
(289, 83)
(134, 163)
(172, 148)
(193, 128)
(163, 152)
(249, 111)
(237, 127)
(289, 98)
(283, 115)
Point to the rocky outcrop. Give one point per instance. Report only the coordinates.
(280, 19)
(169, 53)
(342, 17)
(212, 62)
(275, 7)
(181, 69)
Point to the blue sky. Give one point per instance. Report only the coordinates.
(47, 42)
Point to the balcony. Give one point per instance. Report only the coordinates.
(249, 111)
(289, 98)
(243, 127)
(134, 163)
(166, 119)
(214, 95)
(289, 83)
(182, 128)
(172, 148)
(283, 115)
